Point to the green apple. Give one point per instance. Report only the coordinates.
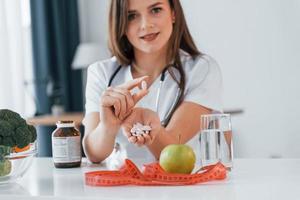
(177, 158)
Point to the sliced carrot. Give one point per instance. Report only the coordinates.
(17, 149)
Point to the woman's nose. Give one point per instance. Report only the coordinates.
(146, 23)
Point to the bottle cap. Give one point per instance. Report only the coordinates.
(65, 124)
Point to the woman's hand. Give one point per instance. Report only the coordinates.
(145, 117)
(117, 102)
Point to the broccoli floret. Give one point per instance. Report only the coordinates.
(17, 122)
(6, 114)
(22, 136)
(8, 141)
(13, 118)
(6, 129)
(32, 132)
(14, 130)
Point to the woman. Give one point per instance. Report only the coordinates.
(151, 46)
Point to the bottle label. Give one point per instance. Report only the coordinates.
(66, 149)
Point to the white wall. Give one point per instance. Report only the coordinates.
(93, 16)
(258, 48)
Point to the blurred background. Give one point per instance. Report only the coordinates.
(46, 46)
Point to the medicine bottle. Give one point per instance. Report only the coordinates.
(66, 145)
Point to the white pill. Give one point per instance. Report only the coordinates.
(133, 130)
(139, 131)
(144, 85)
(139, 125)
(147, 128)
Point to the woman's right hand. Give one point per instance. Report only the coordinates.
(117, 102)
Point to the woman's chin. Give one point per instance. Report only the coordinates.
(149, 49)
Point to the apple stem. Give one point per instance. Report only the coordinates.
(179, 138)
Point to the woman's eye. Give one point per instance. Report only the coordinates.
(156, 10)
(131, 16)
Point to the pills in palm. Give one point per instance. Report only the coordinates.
(139, 129)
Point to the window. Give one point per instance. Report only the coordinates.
(16, 66)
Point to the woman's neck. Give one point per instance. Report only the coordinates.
(150, 64)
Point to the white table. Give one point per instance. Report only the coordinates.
(250, 179)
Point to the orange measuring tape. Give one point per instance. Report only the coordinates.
(153, 174)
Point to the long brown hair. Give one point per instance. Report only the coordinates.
(180, 38)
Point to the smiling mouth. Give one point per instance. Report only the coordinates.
(149, 37)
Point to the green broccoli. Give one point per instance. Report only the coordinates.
(6, 114)
(9, 141)
(5, 164)
(14, 131)
(22, 136)
(33, 134)
(6, 129)
(4, 150)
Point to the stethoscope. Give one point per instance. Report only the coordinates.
(166, 120)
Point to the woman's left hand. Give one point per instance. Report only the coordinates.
(146, 117)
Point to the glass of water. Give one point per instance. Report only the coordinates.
(216, 140)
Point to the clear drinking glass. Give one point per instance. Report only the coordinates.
(216, 140)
